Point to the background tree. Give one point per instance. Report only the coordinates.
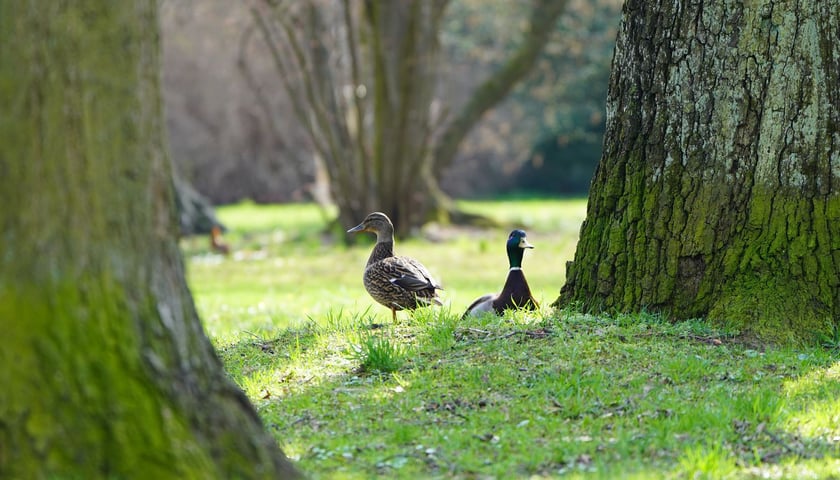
(233, 134)
(563, 99)
(106, 370)
(225, 137)
(717, 193)
(362, 77)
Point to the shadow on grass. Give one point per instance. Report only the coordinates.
(568, 393)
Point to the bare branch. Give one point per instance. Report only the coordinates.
(358, 103)
(262, 99)
(543, 18)
(330, 128)
(280, 64)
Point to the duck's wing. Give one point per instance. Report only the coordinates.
(482, 304)
(410, 274)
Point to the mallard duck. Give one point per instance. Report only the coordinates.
(515, 293)
(399, 283)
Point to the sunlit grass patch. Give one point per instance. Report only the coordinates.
(814, 404)
(377, 353)
(578, 400)
(301, 219)
(542, 394)
(534, 213)
(707, 461)
(438, 326)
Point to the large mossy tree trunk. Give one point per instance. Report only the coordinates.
(718, 193)
(106, 371)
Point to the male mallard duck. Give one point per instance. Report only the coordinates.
(515, 293)
(399, 283)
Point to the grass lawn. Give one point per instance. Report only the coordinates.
(349, 394)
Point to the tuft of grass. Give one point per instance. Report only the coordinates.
(377, 353)
(437, 326)
(707, 461)
(831, 340)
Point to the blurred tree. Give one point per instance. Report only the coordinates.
(563, 101)
(224, 140)
(106, 370)
(550, 129)
(563, 164)
(362, 76)
(717, 194)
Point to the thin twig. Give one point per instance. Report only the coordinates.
(775, 438)
(478, 330)
(254, 335)
(497, 337)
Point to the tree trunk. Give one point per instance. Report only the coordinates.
(362, 79)
(717, 194)
(106, 370)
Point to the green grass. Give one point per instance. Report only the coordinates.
(348, 394)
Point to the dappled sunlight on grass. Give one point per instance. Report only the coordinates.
(568, 402)
(798, 469)
(814, 404)
(529, 394)
(709, 460)
(300, 218)
(537, 214)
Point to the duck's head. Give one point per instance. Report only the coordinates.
(516, 245)
(376, 222)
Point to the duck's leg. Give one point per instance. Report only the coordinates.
(394, 315)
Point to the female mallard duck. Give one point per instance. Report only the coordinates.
(515, 293)
(399, 283)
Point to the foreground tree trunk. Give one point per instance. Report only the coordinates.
(718, 193)
(106, 371)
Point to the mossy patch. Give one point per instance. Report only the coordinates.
(78, 401)
(774, 308)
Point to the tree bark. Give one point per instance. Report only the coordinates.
(106, 370)
(717, 193)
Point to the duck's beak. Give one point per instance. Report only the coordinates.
(358, 228)
(523, 243)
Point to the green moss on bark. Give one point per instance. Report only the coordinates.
(772, 308)
(717, 193)
(69, 417)
(106, 370)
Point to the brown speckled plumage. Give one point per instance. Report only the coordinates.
(399, 283)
